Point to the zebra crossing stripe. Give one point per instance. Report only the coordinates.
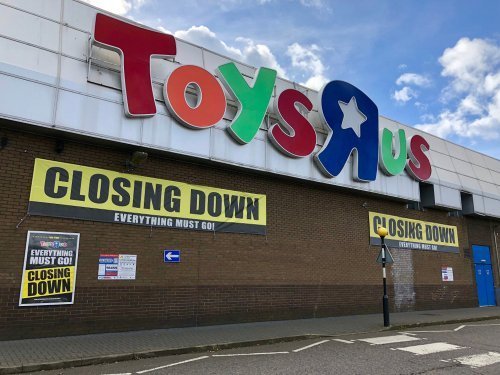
(343, 341)
(435, 347)
(247, 354)
(478, 360)
(389, 339)
(310, 346)
(172, 364)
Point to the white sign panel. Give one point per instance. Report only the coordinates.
(117, 267)
(447, 273)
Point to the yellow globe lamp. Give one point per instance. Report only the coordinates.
(382, 232)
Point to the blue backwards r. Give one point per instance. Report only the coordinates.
(352, 118)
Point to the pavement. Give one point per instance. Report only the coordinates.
(29, 355)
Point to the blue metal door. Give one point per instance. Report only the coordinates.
(490, 289)
(484, 275)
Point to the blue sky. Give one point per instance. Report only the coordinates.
(434, 64)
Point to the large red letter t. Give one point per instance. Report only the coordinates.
(136, 45)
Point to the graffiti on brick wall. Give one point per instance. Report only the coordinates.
(403, 279)
(444, 293)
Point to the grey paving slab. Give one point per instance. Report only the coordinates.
(58, 351)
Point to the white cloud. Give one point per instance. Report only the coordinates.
(227, 5)
(163, 30)
(258, 55)
(204, 37)
(316, 82)
(421, 106)
(469, 63)
(407, 93)
(319, 4)
(473, 93)
(404, 95)
(139, 3)
(413, 79)
(120, 7)
(428, 117)
(307, 60)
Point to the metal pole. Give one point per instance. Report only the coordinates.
(385, 298)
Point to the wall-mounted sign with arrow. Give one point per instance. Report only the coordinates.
(172, 256)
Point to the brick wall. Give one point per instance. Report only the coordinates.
(314, 261)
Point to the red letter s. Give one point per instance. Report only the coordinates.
(299, 140)
(418, 164)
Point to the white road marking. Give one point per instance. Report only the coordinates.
(172, 364)
(123, 373)
(435, 347)
(344, 341)
(482, 325)
(310, 346)
(444, 330)
(479, 360)
(452, 330)
(389, 339)
(407, 333)
(247, 354)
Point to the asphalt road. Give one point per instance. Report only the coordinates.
(450, 349)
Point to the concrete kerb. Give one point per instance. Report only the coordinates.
(211, 348)
(147, 354)
(437, 323)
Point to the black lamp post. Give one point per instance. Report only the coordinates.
(382, 232)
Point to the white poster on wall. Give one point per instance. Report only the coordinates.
(447, 273)
(117, 267)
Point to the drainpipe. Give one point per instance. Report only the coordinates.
(497, 289)
(495, 234)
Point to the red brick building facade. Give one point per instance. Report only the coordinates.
(65, 98)
(315, 260)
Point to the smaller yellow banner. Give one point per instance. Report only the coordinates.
(414, 234)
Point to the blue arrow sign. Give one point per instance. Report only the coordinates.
(171, 256)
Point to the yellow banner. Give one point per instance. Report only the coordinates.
(414, 234)
(48, 282)
(70, 190)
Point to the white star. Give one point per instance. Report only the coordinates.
(353, 117)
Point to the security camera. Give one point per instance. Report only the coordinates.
(136, 159)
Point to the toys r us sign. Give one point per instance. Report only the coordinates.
(350, 116)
